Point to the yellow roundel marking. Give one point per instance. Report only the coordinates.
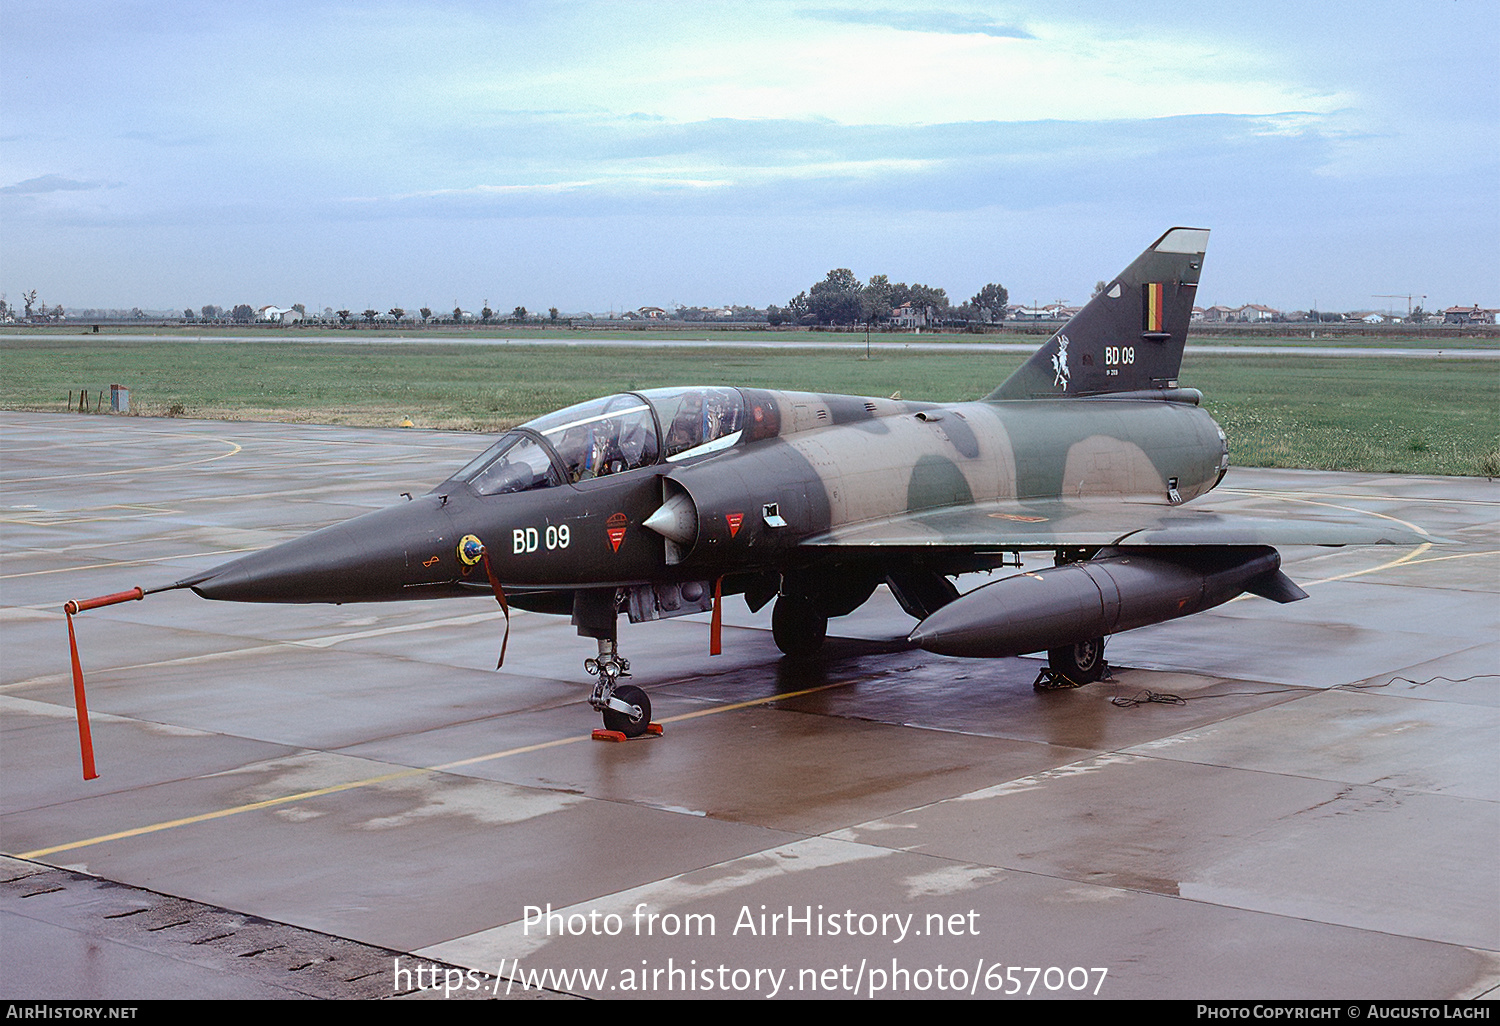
(470, 549)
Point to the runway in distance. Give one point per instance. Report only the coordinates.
(659, 503)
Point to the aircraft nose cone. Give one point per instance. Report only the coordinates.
(381, 555)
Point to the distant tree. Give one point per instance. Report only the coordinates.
(370, 315)
(57, 312)
(344, 316)
(209, 312)
(486, 314)
(187, 314)
(775, 315)
(29, 298)
(136, 313)
(1417, 315)
(930, 296)
(552, 314)
(836, 299)
(426, 313)
(458, 314)
(397, 313)
(797, 307)
(300, 308)
(875, 299)
(519, 313)
(990, 302)
(1099, 286)
(6, 310)
(242, 314)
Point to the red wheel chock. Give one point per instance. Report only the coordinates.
(600, 734)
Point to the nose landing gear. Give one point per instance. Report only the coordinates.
(626, 708)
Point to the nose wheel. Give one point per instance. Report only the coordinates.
(633, 720)
(625, 707)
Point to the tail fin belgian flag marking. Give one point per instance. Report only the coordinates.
(1154, 313)
(1129, 337)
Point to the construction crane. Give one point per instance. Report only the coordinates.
(1408, 297)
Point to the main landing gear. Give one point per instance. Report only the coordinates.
(798, 626)
(1073, 666)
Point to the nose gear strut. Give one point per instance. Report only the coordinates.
(626, 708)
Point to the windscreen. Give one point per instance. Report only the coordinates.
(516, 463)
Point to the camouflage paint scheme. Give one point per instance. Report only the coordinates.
(1089, 449)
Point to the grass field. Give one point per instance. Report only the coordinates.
(1379, 414)
(1339, 335)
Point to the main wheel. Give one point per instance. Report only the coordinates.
(1082, 663)
(624, 722)
(798, 626)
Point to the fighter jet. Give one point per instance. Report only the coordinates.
(659, 503)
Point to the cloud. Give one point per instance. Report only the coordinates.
(951, 22)
(49, 183)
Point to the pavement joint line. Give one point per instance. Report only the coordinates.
(1289, 493)
(234, 448)
(125, 562)
(417, 771)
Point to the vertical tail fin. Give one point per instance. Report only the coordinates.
(1129, 337)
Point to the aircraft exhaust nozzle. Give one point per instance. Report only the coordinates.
(676, 520)
(1064, 605)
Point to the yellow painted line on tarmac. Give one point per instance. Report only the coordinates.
(397, 775)
(1376, 569)
(1354, 509)
(219, 814)
(1407, 559)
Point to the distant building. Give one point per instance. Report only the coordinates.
(1469, 315)
(1255, 312)
(1048, 312)
(908, 316)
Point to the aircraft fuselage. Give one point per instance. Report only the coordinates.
(821, 462)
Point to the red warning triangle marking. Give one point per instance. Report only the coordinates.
(735, 519)
(616, 536)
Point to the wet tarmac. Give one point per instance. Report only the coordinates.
(293, 798)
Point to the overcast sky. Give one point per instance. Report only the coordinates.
(602, 155)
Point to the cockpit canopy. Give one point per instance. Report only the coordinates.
(608, 436)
